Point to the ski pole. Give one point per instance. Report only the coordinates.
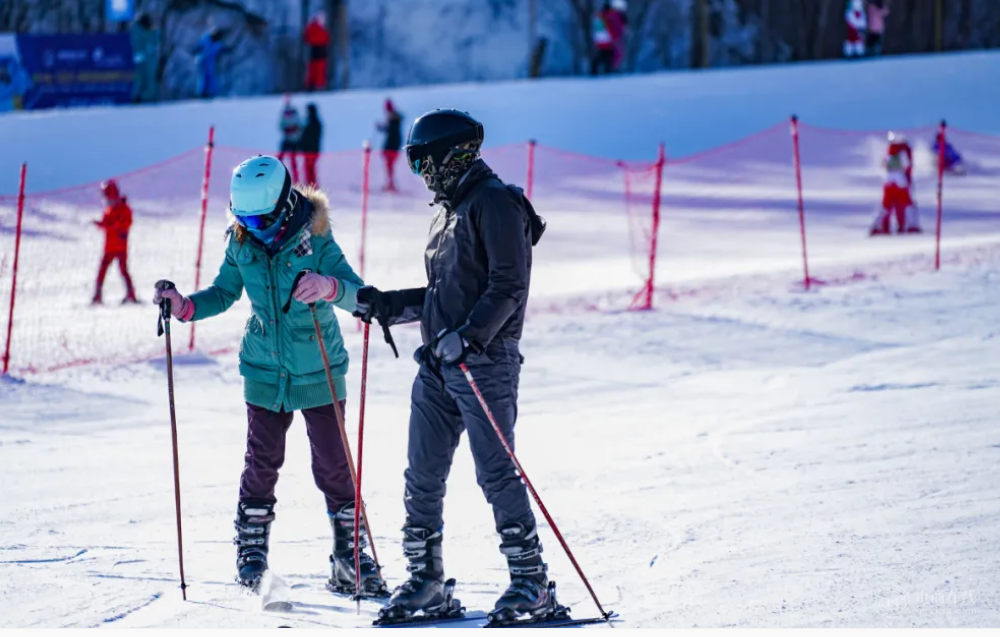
(361, 447)
(359, 504)
(163, 329)
(534, 494)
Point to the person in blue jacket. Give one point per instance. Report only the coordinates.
(206, 55)
(953, 162)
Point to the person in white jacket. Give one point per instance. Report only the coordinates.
(857, 26)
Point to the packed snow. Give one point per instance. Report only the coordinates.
(748, 454)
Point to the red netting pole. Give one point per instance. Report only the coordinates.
(942, 137)
(531, 168)
(661, 159)
(17, 255)
(204, 215)
(802, 206)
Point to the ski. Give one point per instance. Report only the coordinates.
(429, 621)
(553, 622)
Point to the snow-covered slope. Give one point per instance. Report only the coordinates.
(748, 454)
(621, 118)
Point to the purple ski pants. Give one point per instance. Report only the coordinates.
(266, 453)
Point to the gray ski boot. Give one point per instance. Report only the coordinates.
(253, 529)
(426, 592)
(530, 592)
(342, 578)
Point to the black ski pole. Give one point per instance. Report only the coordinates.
(336, 410)
(552, 523)
(163, 329)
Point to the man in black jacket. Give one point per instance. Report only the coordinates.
(478, 263)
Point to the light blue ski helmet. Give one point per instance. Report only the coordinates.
(261, 196)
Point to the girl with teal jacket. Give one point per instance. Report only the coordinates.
(279, 231)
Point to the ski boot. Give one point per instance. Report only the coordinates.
(342, 579)
(530, 592)
(426, 592)
(253, 528)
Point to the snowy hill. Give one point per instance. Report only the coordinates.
(621, 118)
(748, 454)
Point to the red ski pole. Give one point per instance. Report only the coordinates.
(534, 494)
(357, 485)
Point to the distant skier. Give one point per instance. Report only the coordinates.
(953, 162)
(478, 263)
(607, 36)
(310, 144)
(291, 131)
(877, 12)
(116, 223)
(857, 26)
(392, 127)
(317, 38)
(209, 47)
(897, 197)
(278, 232)
(146, 56)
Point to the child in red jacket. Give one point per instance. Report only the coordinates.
(116, 222)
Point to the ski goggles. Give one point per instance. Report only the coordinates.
(259, 222)
(265, 221)
(416, 156)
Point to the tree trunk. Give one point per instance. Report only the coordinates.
(344, 48)
(303, 48)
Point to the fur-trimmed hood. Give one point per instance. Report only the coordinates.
(319, 221)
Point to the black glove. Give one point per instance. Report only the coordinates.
(451, 348)
(371, 305)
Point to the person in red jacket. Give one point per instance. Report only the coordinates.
(897, 195)
(318, 38)
(607, 36)
(116, 222)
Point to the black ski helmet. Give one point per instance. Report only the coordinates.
(437, 133)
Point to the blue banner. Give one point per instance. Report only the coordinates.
(76, 69)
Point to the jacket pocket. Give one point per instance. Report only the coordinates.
(253, 346)
(306, 358)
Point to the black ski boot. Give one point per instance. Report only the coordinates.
(529, 591)
(426, 591)
(253, 528)
(342, 579)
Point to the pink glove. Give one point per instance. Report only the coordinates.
(181, 307)
(313, 287)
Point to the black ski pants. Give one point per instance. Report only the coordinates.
(443, 405)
